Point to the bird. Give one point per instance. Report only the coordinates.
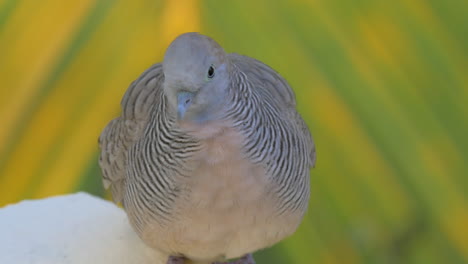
(209, 157)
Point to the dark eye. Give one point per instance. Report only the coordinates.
(211, 72)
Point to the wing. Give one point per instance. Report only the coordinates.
(121, 133)
(307, 138)
(275, 88)
(266, 77)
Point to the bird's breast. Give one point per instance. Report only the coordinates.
(224, 178)
(228, 207)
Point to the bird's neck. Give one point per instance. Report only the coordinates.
(205, 131)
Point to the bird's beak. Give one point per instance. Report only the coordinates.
(184, 100)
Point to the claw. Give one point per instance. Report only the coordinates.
(247, 259)
(176, 260)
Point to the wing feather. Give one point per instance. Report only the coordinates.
(276, 88)
(121, 133)
(266, 77)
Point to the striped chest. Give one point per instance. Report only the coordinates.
(226, 207)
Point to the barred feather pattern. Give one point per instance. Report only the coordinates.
(145, 155)
(122, 132)
(263, 108)
(157, 160)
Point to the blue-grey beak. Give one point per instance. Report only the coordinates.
(184, 100)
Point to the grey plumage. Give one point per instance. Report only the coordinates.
(209, 166)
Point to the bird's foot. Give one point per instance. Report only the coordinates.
(175, 260)
(247, 259)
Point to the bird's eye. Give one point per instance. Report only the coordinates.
(211, 72)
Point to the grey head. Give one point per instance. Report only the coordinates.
(196, 77)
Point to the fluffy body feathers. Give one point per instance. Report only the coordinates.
(220, 173)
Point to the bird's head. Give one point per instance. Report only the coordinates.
(196, 77)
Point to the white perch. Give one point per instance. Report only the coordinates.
(77, 228)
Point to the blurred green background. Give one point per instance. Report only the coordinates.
(383, 86)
